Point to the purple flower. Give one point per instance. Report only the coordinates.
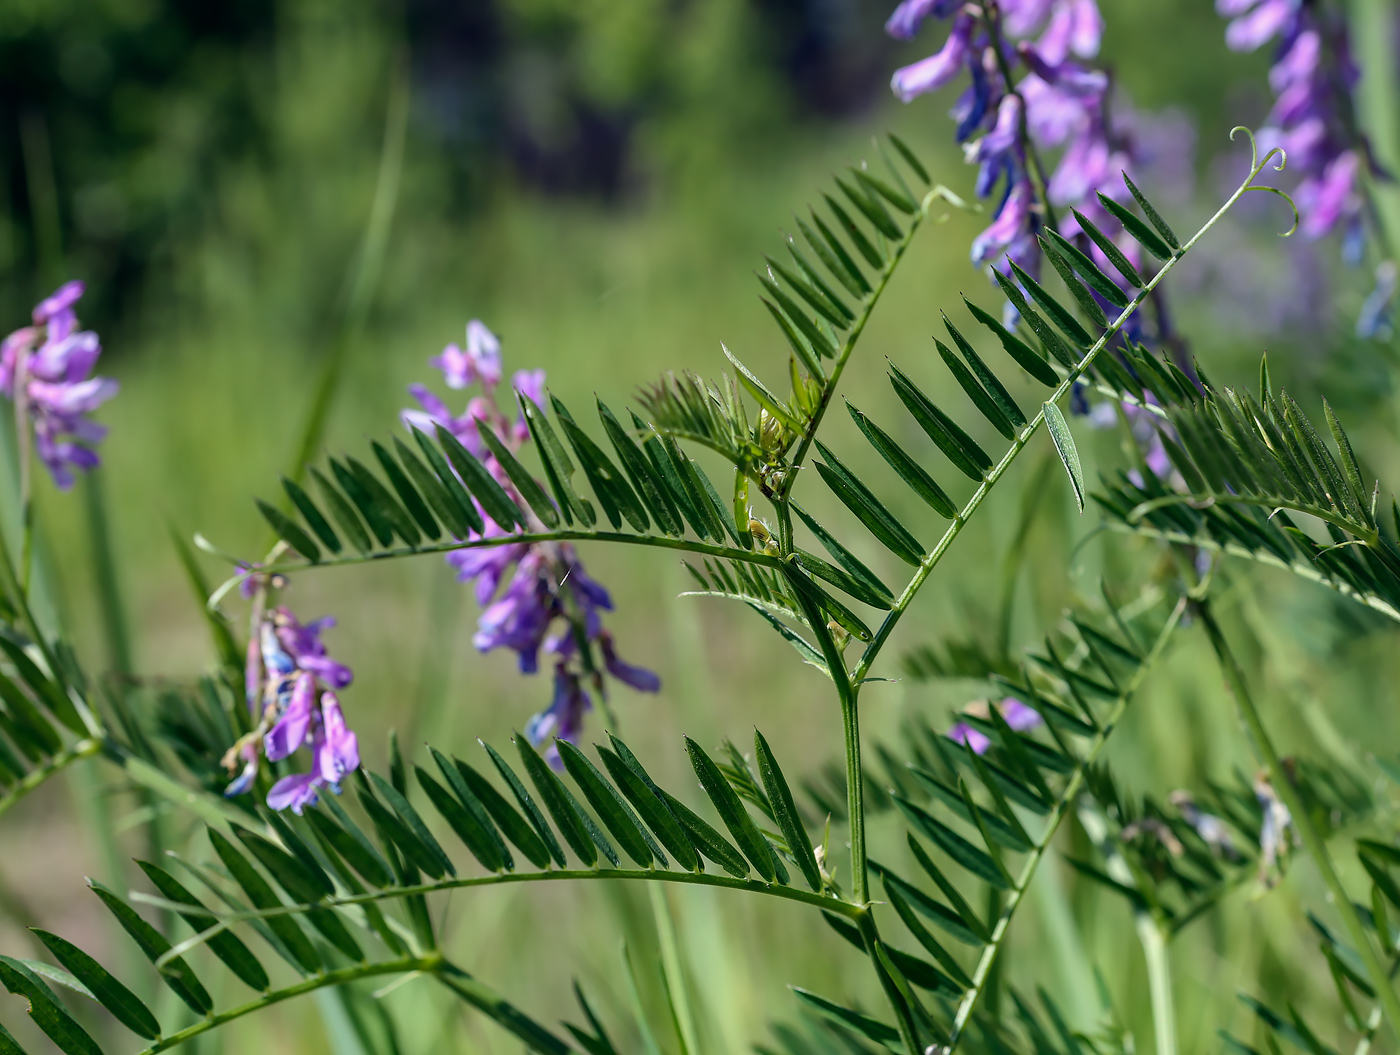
(287, 667)
(294, 793)
(932, 73)
(1313, 77)
(563, 719)
(908, 16)
(1019, 716)
(639, 678)
(54, 362)
(548, 601)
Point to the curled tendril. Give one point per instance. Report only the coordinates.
(1256, 166)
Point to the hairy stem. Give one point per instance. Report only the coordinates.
(1072, 788)
(1312, 839)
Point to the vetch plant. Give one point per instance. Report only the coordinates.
(305, 868)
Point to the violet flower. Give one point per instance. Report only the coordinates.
(1057, 103)
(54, 360)
(1019, 716)
(288, 681)
(534, 595)
(1313, 78)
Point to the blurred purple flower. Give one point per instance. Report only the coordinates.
(54, 362)
(1019, 716)
(548, 601)
(563, 718)
(1313, 78)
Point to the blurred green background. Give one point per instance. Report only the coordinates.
(597, 180)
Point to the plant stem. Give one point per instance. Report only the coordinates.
(39, 774)
(1312, 839)
(1072, 787)
(1159, 982)
(993, 476)
(321, 981)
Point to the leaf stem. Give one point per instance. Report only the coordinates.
(1072, 787)
(1312, 839)
(993, 477)
(427, 964)
(56, 764)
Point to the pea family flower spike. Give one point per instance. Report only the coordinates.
(550, 602)
(291, 687)
(45, 369)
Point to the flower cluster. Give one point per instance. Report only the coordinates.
(291, 686)
(1018, 715)
(1147, 429)
(1056, 103)
(1312, 77)
(550, 602)
(49, 362)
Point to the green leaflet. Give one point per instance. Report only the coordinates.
(522, 796)
(604, 798)
(785, 811)
(341, 511)
(311, 515)
(289, 532)
(406, 814)
(229, 948)
(1060, 315)
(501, 1011)
(49, 691)
(846, 559)
(947, 920)
(177, 974)
(609, 484)
(833, 255)
(412, 501)
(986, 389)
(124, 1005)
(886, 1036)
(481, 483)
(956, 445)
(652, 807)
(261, 895)
(350, 843)
(1085, 299)
(521, 479)
(854, 233)
(976, 861)
(842, 580)
(560, 804)
(731, 811)
(444, 504)
(1049, 337)
(920, 482)
(484, 805)
(926, 939)
(1145, 236)
(46, 1011)
(645, 479)
(385, 503)
(1152, 215)
(557, 466)
(475, 835)
(1088, 270)
(1115, 255)
(461, 500)
(375, 517)
(1018, 349)
(869, 509)
(1065, 448)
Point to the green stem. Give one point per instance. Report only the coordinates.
(903, 1013)
(809, 434)
(39, 774)
(836, 905)
(1373, 31)
(427, 964)
(993, 477)
(655, 541)
(1312, 839)
(1159, 982)
(1232, 549)
(1066, 799)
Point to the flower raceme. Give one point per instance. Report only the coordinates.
(549, 601)
(1056, 103)
(291, 686)
(50, 362)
